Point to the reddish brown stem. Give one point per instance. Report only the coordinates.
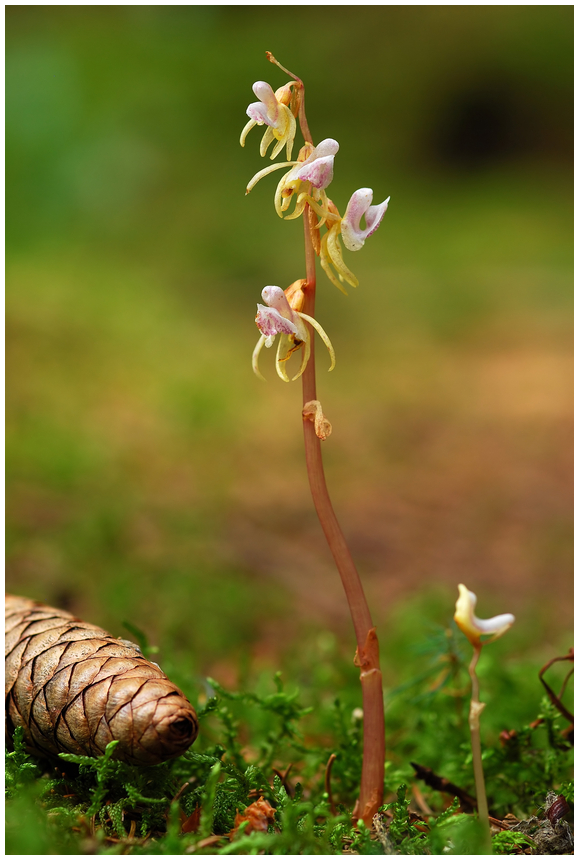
(367, 655)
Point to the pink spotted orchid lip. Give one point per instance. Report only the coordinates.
(359, 206)
(277, 317)
(474, 628)
(266, 110)
(271, 323)
(320, 172)
(318, 168)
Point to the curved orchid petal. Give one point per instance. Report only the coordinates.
(305, 358)
(323, 336)
(285, 348)
(283, 132)
(331, 255)
(318, 168)
(266, 110)
(473, 627)
(359, 205)
(320, 172)
(255, 357)
(255, 179)
(328, 146)
(245, 131)
(274, 297)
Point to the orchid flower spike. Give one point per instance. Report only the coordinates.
(280, 316)
(474, 628)
(272, 110)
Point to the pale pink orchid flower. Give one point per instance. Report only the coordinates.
(277, 317)
(317, 169)
(353, 235)
(272, 110)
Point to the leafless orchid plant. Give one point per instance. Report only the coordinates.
(479, 632)
(289, 314)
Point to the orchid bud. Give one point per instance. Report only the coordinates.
(474, 628)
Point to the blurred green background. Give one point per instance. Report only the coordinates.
(151, 476)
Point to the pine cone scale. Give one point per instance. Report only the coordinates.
(40, 718)
(39, 643)
(102, 737)
(122, 691)
(85, 673)
(12, 665)
(56, 690)
(22, 697)
(14, 636)
(65, 739)
(43, 670)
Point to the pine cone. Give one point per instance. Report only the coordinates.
(74, 688)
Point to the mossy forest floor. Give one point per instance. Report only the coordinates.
(260, 779)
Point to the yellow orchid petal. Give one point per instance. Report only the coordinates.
(284, 350)
(323, 336)
(255, 357)
(291, 135)
(335, 254)
(268, 137)
(255, 179)
(246, 129)
(284, 137)
(324, 260)
(281, 203)
(305, 359)
(299, 207)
